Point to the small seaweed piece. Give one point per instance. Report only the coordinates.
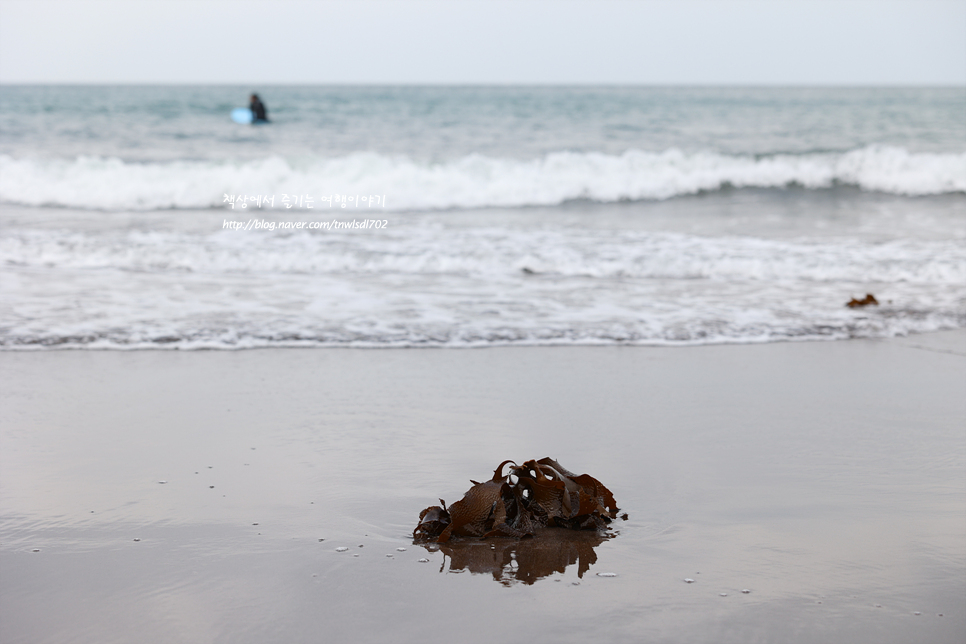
(545, 494)
(432, 521)
(866, 301)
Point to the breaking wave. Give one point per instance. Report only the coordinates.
(474, 181)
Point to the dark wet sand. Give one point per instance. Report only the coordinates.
(825, 478)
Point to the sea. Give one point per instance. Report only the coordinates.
(143, 217)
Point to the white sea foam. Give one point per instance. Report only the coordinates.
(432, 284)
(473, 181)
(493, 253)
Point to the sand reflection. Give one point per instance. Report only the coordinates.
(512, 561)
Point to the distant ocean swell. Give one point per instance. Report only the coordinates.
(474, 181)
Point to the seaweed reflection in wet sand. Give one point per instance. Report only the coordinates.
(513, 561)
(540, 516)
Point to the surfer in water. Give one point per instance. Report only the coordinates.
(259, 112)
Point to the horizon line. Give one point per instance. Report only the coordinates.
(776, 85)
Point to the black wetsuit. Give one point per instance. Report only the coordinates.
(259, 113)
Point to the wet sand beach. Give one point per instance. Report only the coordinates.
(204, 496)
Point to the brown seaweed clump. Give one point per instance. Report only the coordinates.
(534, 495)
(865, 301)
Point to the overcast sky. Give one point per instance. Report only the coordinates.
(839, 42)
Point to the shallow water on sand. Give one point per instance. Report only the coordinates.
(823, 478)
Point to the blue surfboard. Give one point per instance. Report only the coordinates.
(241, 115)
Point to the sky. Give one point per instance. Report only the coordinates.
(667, 42)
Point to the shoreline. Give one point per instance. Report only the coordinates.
(941, 333)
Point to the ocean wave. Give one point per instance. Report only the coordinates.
(430, 251)
(474, 181)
